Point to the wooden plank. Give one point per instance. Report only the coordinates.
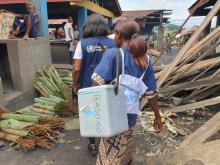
(195, 49)
(201, 65)
(201, 57)
(182, 52)
(196, 154)
(93, 7)
(198, 48)
(190, 85)
(196, 105)
(202, 95)
(198, 91)
(204, 132)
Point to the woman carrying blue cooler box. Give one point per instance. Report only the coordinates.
(88, 54)
(138, 78)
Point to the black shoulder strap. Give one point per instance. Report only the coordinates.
(117, 71)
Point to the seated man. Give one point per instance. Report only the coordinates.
(30, 25)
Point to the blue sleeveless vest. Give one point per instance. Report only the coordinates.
(92, 49)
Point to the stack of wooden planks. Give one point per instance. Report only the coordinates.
(194, 74)
(192, 79)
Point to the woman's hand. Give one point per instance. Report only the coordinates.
(158, 125)
(75, 90)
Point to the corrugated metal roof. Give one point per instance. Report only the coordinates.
(24, 1)
(139, 14)
(199, 7)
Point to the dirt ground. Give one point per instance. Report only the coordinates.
(150, 143)
(72, 149)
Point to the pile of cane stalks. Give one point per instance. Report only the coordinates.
(49, 83)
(29, 129)
(40, 124)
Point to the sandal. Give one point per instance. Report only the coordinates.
(92, 149)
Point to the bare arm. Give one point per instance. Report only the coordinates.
(76, 74)
(155, 107)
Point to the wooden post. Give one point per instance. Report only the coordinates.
(182, 52)
(82, 16)
(110, 23)
(41, 10)
(1, 89)
(160, 34)
(160, 38)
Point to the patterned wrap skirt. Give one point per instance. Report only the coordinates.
(116, 150)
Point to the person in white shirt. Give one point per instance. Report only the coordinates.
(75, 32)
(68, 28)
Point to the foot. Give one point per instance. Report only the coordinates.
(92, 149)
(26, 37)
(12, 37)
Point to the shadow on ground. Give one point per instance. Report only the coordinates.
(66, 153)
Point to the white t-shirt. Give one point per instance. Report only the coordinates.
(76, 34)
(66, 29)
(78, 52)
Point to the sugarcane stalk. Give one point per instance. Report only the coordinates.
(44, 102)
(20, 117)
(53, 84)
(56, 98)
(40, 115)
(43, 88)
(20, 133)
(40, 90)
(46, 83)
(9, 137)
(43, 111)
(52, 100)
(45, 107)
(24, 109)
(15, 124)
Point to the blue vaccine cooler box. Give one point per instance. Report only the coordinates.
(101, 112)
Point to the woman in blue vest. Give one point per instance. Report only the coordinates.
(88, 54)
(138, 78)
